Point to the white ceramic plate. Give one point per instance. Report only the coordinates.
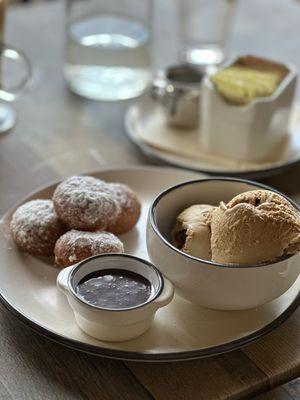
(146, 116)
(181, 331)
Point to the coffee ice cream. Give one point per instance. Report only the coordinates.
(254, 227)
(191, 232)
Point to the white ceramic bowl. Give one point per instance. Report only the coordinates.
(213, 285)
(111, 324)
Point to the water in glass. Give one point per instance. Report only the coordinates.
(108, 57)
(205, 28)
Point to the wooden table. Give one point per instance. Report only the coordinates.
(60, 134)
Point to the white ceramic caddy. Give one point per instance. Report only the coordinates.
(209, 284)
(246, 132)
(115, 325)
(180, 331)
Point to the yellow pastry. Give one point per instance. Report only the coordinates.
(241, 85)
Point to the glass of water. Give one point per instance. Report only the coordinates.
(108, 48)
(15, 72)
(205, 27)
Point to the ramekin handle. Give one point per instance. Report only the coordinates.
(166, 295)
(62, 279)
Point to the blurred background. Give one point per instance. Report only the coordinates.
(256, 27)
(61, 134)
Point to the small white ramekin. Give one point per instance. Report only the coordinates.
(210, 284)
(115, 325)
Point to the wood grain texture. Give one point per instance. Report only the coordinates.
(278, 354)
(32, 367)
(60, 134)
(227, 376)
(289, 391)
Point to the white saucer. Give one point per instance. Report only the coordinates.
(146, 116)
(181, 330)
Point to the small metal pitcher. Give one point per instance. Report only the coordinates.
(178, 89)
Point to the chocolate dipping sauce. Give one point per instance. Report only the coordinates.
(114, 289)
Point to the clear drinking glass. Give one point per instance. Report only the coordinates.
(15, 72)
(108, 48)
(205, 28)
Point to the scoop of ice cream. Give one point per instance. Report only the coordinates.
(254, 227)
(191, 232)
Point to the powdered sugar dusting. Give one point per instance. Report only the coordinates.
(75, 245)
(35, 227)
(130, 209)
(96, 240)
(125, 196)
(84, 202)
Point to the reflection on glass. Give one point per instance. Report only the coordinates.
(108, 54)
(205, 28)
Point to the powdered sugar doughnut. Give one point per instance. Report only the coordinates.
(130, 209)
(85, 203)
(35, 227)
(75, 246)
